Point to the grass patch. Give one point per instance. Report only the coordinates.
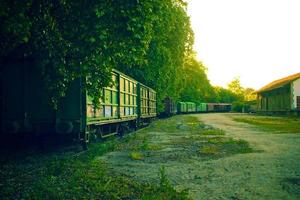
(276, 124)
(154, 147)
(82, 176)
(166, 190)
(213, 132)
(217, 140)
(136, 155)
(292, 186)
(175, 124)
(209, 150)
(236, 146)
(217, 147)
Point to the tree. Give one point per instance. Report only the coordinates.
(146, 39)
(249, 94)
(170, 42)
(235, 87)
(244, 96)
(224, 95)
(197, 87)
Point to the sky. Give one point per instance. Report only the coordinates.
(255, 40)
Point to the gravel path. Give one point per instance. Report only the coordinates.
(272, 172)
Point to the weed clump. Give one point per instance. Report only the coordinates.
(211, 150)
(136, 155)
(224, 146)
(292, 185)
(212, 132)
(166, 191)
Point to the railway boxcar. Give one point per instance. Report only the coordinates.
(218, 107)
(118, 106)
(181, 107)
(25, 106)
(191, 107)
(210, 107)
(202, 107)
(146, 103)
(170, 107)
(198, 108)
(224, 107)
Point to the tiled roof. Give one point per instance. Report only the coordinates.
(279, 83)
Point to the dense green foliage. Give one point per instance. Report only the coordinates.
(65, 40)
(146, 39)
(197, 87)
(243, 99)
(170, 42)
(235, 87)
(224, 95)
(149, 40)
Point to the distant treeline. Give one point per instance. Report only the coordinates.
(149, 40)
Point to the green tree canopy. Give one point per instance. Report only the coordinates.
(224, 95)
(170, 42)
(235, 87)
(197, 87)
(249, 94)
(69, 39)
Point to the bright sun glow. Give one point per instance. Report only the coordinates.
(256, 40)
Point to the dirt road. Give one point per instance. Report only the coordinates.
(272, 171)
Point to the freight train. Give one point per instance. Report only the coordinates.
(171, 108)
(25, 108)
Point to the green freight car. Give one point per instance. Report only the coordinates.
(181, 107)
(170, 107)
(186, 107)
(146, 104)
(118, 106)
(25, 108)
(218, 107)
(191, 107)
(202, 107)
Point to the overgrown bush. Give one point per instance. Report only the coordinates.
(244, 106)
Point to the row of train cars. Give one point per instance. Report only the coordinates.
(172, 108)
(25, 108)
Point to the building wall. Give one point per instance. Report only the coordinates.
(275, 100)
(295, 92)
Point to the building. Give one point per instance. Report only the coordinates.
(282, 95)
